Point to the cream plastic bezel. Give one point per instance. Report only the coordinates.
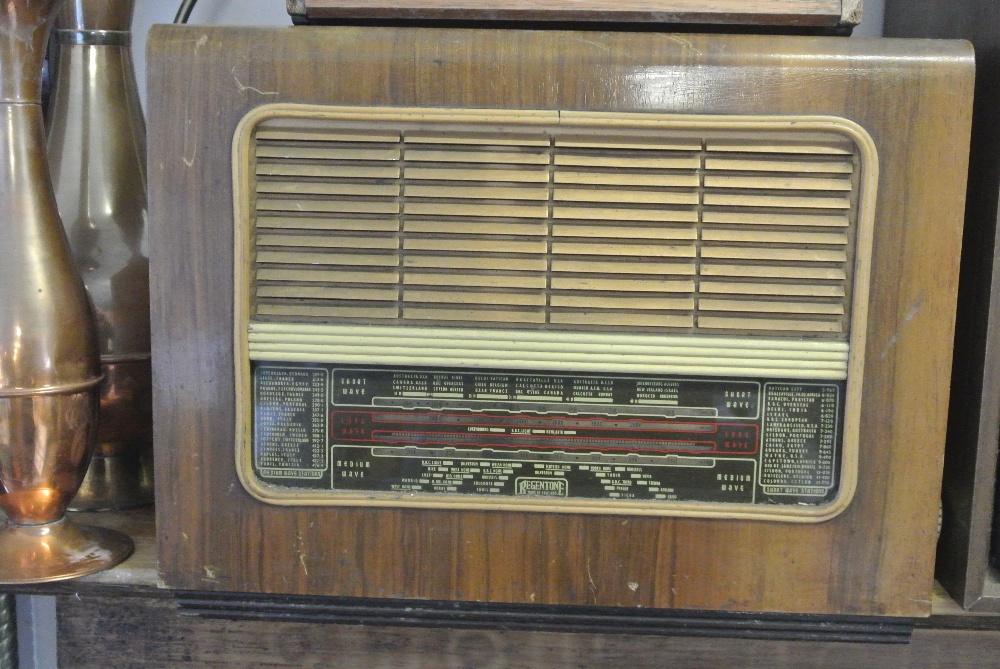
(867, 184)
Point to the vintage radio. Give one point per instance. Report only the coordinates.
(554, 317)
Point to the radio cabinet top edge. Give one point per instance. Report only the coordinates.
(772, 13)
(874, 558)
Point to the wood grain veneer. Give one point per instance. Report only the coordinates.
(963, 563)
(913, 97)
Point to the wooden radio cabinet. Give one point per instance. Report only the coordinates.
(502, 232)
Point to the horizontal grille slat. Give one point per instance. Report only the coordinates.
(603, 266)
(469, 314)
(623, 285)
(628, 232)
(639, 250)
(767, 253)
(326, 276)
(833, 308)
(340, 293)
(790, 289)
(468, 297)
(310, 223)
(782, 218)
(622, 142)
(630, 319)
(313, 170)
(768, 324)
(617, 178)
(785, 201)
(315, 188)
(477, 227)
(490, 279)
(481, 245)
(264, 135)
(327, 153)
(483, 139)
(485, 175)
(630, 162)
(782, 164)
(487, 157)
(477, 193)
(295, 205)
(475, 210)
(777, 183)
(623, 196)
(775, 237)
(614, 215)
(324, 311)
(620, 302)
(328, 241)
(774, 272)
(722, 231)
(353, 259)
(456, 261)
(815, 148)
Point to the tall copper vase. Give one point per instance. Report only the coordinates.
(49, 365)
(97, 157)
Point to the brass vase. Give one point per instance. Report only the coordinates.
(97, 158)
(49, 364)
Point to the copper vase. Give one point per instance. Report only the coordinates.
(49, 364)
(97, 158)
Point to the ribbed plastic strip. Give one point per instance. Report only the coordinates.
(578, 351)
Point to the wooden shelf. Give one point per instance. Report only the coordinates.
(138, 577)
(132, 633)
(140, 629)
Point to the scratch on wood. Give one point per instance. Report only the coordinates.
(243, 88)
(597, 44)
(302, 552)
(685, 43)
(911, 313)
(189, 161)
(590, 577)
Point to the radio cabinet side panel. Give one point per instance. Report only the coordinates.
(875, 558)
(974, 419)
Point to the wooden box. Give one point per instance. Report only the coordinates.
(964, 562)
(827, 14)
(872, 555)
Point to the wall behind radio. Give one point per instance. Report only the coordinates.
(273, 13)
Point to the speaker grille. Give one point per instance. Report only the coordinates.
(679, 230)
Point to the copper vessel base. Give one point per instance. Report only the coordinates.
(58, 551)
(116, 483)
